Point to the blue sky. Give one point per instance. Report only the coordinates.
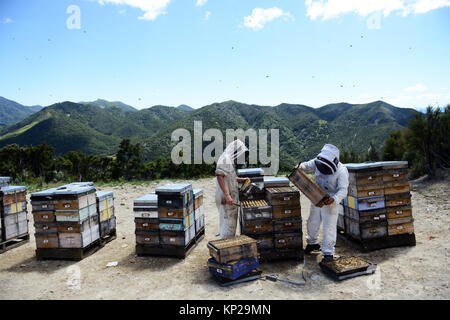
(172, 52)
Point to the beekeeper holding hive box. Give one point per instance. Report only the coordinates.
(332, 176)
(227, 186)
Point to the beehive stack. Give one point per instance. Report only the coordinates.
(256, 176)
(105, 209)
(378, 205)
(232, 258)
(65, 217)
(13, 212)
(199, 215)
(146, 219)
(176, 214)
(287, 221)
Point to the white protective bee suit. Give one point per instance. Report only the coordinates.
(226, 168)
(336, 185)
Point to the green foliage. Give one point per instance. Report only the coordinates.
(12, 112)
(425, 143)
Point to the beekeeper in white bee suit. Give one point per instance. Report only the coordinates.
(332, 176)
(227, 194)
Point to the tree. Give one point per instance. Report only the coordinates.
(129, 158)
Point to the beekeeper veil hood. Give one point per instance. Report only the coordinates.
(328, 159)
(233, 152)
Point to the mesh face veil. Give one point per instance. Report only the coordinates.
(234, 151)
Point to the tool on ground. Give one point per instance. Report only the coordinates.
(274, 278)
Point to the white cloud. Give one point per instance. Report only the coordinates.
(328, 9)
(260, 17)
(201, 3)
(152, 8)
(207, 14)
(417, 88)
(7, 20)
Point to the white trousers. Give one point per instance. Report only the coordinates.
(328, 215)
(228, 220)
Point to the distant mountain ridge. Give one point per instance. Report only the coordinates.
(108, 104)
(303, 130)
(12, 112)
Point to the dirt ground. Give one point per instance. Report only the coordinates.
(420, 272)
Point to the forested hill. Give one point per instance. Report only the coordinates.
(303, 130)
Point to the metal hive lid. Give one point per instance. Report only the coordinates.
(275, 180)
(174, 188)
(150, 199)
(250, 171)
(12, 189)
(374, 165)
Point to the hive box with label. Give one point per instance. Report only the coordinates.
(13, 216)
(145, 211)
(310, 189)
(378, 206)
(67, 222)
(199, 215)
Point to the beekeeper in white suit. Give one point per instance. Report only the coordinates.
(227, 194)
(332, 176)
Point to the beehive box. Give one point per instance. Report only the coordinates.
(105, 210)
(4, 181)
(283, 196)
(233, 249)
(13, 212)
(146, 206)
(309, 188)
(234, 269)
(199, 216)
(256, 210)
(175, 196)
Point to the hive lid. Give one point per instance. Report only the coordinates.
(250, 172)
(232, 242)
(81, 184)
(101, 195)
(198, 192)
(174, 188)
(375, 165)
(150, 199)
(12, 189)
(64, 191)
(4, 179)
(276, 182)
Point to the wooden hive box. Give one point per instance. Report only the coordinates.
(233, 249)
(148, 238)
(264, 241)
(292, 240)
(283, 196)
(198, 198)
(105, 205)
(370, 216)
(177, 238)
(14, 225)
(12, 194)
(366, 203)
(175, 196)
(282, 212)
(146, 206)
(400, 226)
(309, 188)
(234, 269)
(256, 210)
(365, 231)
(287, 225)
(398, 199)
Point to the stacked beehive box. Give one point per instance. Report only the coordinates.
(176, 214)
(199, 215)
(105, 209)
(146, 219)
(65, 218)
(13, 213)
(378, 206)
(232, 258)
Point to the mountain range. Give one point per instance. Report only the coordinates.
(12, 112)
(98, 127)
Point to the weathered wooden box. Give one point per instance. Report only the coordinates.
(44, 216)
(172, 213)
(251, 227)
(14, 225)
(365, 231)
(256, 210)
(73, 227)
(14, 208)
(292, 240)
(76, 204)
(147, 238)
(365, 191)
(287, 225)
(233, 249)
(370, 216)
(282, 212)
(145, 224)
(12, 194)
(177, 238)
(42, 206)
(309, 188)
(400, 226)
(391, 175)
(107, 226)
(76, 215)
(399, 212)
(396, 187)
(47, 241)
(198, 198)
(199, 223)
(177, 224)
(45, 227)
(264, 241)
(372, 177)
(399, 199)
(175, 196)
(283, 196)
(75, 240)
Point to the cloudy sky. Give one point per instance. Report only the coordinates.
(196, 52)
